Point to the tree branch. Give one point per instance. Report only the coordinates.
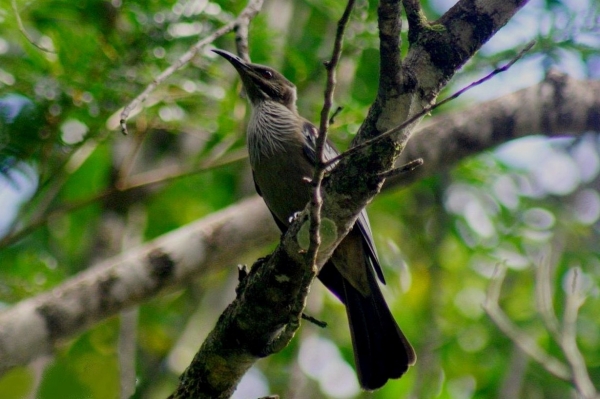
(558, 106)
(431, 61)
(520, 338)
(316, 202)
(410, 121)
(34, 326)
(437, 51)
(564, 335)
(24, 31)
(553, 107)
(244, 18)
(568, 341)
(347, 191)
(266, 312)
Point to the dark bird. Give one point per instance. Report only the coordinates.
(281, 146)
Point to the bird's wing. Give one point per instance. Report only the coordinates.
(256, 185)
(310, 133)
(280, 224)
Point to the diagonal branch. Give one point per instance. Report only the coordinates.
(426, 110)
(564, 335)
(437, 50)
(33, 327)
(520, 338)
(316, 202)
(568, 342)
(244, 18)
(24, 31)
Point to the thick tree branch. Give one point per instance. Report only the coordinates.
(429, 108)
(250, 328)
(34, 326)
(31, 328)
(437, 51)
(558, 106)
(431, 61)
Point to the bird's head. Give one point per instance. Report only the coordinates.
(262, 83)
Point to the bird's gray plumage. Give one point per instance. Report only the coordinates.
(270, 128)
(281, 146)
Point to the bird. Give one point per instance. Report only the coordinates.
(281, 147)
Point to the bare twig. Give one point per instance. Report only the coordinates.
(428, 109)
(149, 178)
(51, 188)
(167, 174)
(544, 297)
(568, 342)
(408, 167)
(241, 38)
(316, 322)
(134, 148)
(245, 16)
(334, 115)
(515, 374)
(520, 338)
(564, 334)
(316, 199)
(24, 32)
(131, 236)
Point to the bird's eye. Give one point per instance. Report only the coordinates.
(266, 74)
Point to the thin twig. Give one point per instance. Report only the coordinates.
(24, 32)
(241, 39)
(316, 322)
(520, 338)
(429, 108)
(316, 202)
(50, 188)
(564, 334)
(335, 114)
(167, 174)
(133, 150)
(544, 298)
(162, 175)
(130, 236)
(245, 16)
(568, 343)
(408, 167)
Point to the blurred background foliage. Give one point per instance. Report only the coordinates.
(74, 191)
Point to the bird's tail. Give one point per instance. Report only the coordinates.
(381, 351)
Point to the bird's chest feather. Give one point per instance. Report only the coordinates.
(275, 146)
(281, 179)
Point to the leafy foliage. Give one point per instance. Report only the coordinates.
(71, 176)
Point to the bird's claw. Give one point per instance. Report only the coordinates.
(294, 216)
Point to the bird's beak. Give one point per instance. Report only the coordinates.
(244, 70)
(236, 61)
